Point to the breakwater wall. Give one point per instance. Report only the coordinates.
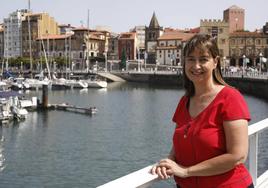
(251, 86)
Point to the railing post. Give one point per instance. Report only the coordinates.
(253, 157)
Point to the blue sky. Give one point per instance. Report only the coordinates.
(121, 15)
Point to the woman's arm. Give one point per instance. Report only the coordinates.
(171, 155)
(236, 134)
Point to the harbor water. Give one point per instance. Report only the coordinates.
(132, 129)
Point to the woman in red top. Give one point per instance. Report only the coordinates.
(210, 142)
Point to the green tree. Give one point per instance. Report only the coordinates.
(123, 62)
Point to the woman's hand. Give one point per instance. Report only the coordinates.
(160, 171)
(166, 168)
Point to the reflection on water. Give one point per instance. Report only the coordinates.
(2, 157)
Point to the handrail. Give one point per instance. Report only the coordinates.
(143, 178)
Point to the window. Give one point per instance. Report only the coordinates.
(233, 52)
(214, 32)
(249, 41)
(258, 41)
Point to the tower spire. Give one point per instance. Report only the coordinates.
(154, 22)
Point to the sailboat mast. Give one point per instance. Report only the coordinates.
(87, 54)
(30, 38)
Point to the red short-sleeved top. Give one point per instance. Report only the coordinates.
(205, 139)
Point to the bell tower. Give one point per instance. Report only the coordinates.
(151, 35)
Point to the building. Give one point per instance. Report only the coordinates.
(55, 47)
(235, 16)
(233, 21)
(265, 28)
(12, 34)
(113, 47)
(250, 44)
(140, 34)
(127, 44)
(80, 47)
(151, 35)
(41, 24)
(170, 45)
(1, 42)
(66, 29)
(220, 30)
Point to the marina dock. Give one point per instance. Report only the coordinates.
(73, 108)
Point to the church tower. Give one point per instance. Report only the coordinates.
(151, 35)
(235, 16)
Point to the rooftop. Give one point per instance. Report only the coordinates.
(176, 35)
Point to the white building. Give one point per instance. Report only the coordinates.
(12, 33)
(140, 34)
(169, 47)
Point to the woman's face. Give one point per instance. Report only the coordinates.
(199, 66)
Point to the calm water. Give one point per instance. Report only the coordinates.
(133, 129)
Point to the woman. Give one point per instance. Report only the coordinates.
(210, 142)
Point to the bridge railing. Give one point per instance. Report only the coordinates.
(143, 179)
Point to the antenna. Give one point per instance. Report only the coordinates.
(88, 18)
(29, 5)
(30, 38)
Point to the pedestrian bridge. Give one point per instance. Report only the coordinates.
(143, 179)
(111, 76)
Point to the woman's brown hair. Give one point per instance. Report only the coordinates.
(203, 42)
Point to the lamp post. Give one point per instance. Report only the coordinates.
(145, 59)
(243, 69)
(126, 65)
(106, 61)
(139, 67)
(224, 62)
(260, 61)
(84, 56)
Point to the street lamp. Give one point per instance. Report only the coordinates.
(260, 61)
(224, 62)
(244, 60)
(106, 61)
(84, 56)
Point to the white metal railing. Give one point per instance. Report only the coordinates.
(143, 178)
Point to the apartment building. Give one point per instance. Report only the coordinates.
(170, 45)
(251, 44)
(127, 44)
(41, 25)
(13, 33)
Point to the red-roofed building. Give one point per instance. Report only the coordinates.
(127, 42)
(80, 47)
(170, 45)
